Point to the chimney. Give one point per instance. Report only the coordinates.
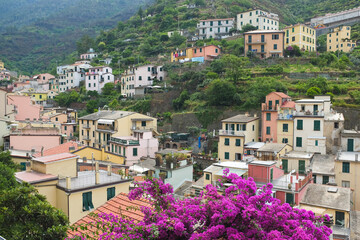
(42, 151)
(28, 167)
(97, 178)
(109, 170)
(247, 114)
(96, 166)
(68, 182)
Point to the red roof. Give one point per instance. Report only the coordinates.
(288, 104)
(55, 157)
(63, 148)
(282, 95)
(117, 206)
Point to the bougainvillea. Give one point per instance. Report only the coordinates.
(241, 212)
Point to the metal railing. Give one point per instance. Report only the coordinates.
(308, 113)
(231, 132)
(124, 141)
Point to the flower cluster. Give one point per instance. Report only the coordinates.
(241, 212)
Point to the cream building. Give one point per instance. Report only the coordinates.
(98, 128)
(235, 132)
(75, 193)
(258, 18)
(339, 39)
(302, 36)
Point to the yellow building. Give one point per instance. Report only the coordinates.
(302, 36)
(347, 168)
(285, 124)
(75, 193)
(181, 54)
(272, 151)
(90, 153)
(96, 129)
(37, 97)
(334, 201)
(2, 65)
(297, 161)
(235, 132)
(339, 39)
(215, 172)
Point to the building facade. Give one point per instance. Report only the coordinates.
(70, 76)
(97, 77)
(196, 54)
(302, 36)
(339, 40)
(215, 28)
(258, 18)
(265, 43)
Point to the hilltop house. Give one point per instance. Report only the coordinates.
(302, 36)
(215, 28)
(265, 43)
(196, 54)
(258, 18)
(97, 77)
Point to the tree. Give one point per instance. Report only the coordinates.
(84, 44)
(235, 67)
(108, 89)
(178, 103)
(248, 28)
(319, 82)
(91, 106)
(176, 39)
(220, 93)
(313, 91)
(242, 212)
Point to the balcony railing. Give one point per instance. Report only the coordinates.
(106, 128)
(285, 116)
(230, 132)
(255, 42)
(125, 141)
(86, 138)
(308, 113)
(86, 126)
(145, 128)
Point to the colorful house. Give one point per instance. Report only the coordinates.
(24, 108)
(258, 18)
(289, 188)
(339, 40)
(75, 193)
(215, 28)
(302, 36)
(277, 112)
(235, 132)
(264, 43)
(196, 54)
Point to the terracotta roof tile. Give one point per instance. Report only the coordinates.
(63, 148)
(288, 104)
(281, 94)
(116, 206)
(55, 157)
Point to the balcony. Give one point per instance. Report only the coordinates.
(254, 42)
(266, 107)
(231, 133)
(125, 141)
(285, 116)
(308, 113)
(145, 128)
(86, 126)
(106, 128)
(86, 138)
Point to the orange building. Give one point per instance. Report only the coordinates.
(265, 43)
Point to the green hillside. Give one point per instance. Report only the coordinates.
(35, 34)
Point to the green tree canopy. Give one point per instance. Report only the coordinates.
(220, 93)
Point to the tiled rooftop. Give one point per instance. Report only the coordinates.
(63, 148)
(117, 206)
(241, 118)
(112, 115)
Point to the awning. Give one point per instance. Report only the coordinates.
(239, 172)
(139, 169)
(105, 121)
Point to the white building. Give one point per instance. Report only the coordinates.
(89, 55)
(310, 119)
(72, 75)
(97, 77)
(215, 28)
(258, 18)
(134, 77)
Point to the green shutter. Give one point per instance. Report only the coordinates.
(285, 127)
(325, 179)
(226, 155)
(134, 151)
(207, 176)
(110, 193)
(237, 127)
(350, 145)
(302, 166)
(316, 125)
(270, 102)
(285, 165)
(23, 166)
(85, 202)
(227, 142)
(298, 141)
(90, 200)
(276, 101)
(267, 130)
(268, 116)
(346, 167)
(271, 174)
(299, 124)
(244, 127)
(124, 151)
(238, 142)
(290, 198)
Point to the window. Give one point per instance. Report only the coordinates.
(148, 69)
(87, 201)
(293, 29)
(293, 39)
(285, 127)
(216, 50)
(316, 125)
(299, 125)
(275, 36)
(270, 105)
(227, 141)
(298, 141)
(241, 15)
(325, 179)
(135, 152)
(140, 78)
(210, 29)
(253, 127)
(345, 184)
(238, 142)
(226, 155)
(244, 127)
(200, 49)
(110, 193)
(267, 130)
(275, 46)
(316, 143)
(290, 198)
(350, 145)
(268, 116)
(207, 176)
(262, 38)
(285, 140)
(339, 218)
(302, 166)
(336, 125)
(143, 123)
(314, 178)
(346, 167)
(262, 48)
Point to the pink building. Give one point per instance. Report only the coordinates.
(289, 188)
(23, 107)
(68, 129)
(142, 144)
(207, 52)
(270, 110)
(43, 78)
(34, 139)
